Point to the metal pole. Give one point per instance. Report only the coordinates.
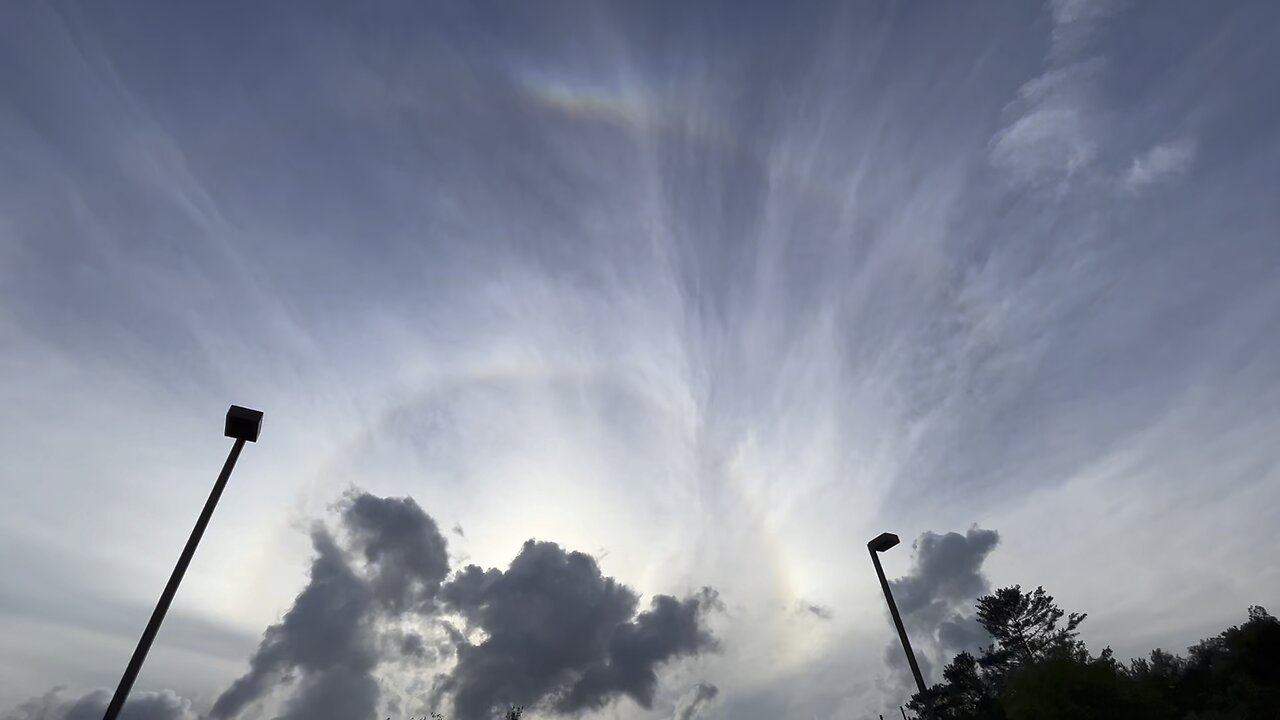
(902, 633)
(904, 712)
(166, 597)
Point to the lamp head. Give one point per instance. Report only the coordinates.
(883, 542)
(243, 423)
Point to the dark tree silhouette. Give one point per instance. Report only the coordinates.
(1024, 625)
(965, 692)
(1236, 674)
(1036, 669)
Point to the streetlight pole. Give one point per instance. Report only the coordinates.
(244, 425)
(879, 544)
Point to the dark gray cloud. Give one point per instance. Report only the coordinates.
(325, 633)
(945, 569)
(559, 633)
(936, 599)
(405, 552)
(411, 644)
(342, 691)
(162, 705)
(959, 633)
(325, 649)
(695, 700)
(670, 628)
(901, 682)
(555, 630)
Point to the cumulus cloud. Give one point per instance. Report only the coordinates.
(900, 682)
(946, 570)
(394, 559)
(558, 632)
(405, 554)
(411, 645)
(1160, 163)
(162, 705)
(693, 702)
(555, 630)
(936, 599)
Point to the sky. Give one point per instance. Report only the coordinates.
(595, 340)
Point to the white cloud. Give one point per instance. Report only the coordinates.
(1056, 126)
(1160, 163)
(1072, 11)
(1050, 135)
(1052, 128)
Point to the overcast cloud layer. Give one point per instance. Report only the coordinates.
(695, 295)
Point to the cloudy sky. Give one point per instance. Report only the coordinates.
(699, 296)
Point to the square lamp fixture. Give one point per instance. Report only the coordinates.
(243, 423)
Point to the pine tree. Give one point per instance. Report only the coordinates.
(1025, 627)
